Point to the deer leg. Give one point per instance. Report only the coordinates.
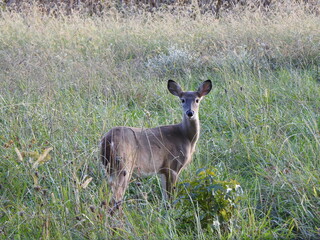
(164, 187)
(119, 184)
(171, 179)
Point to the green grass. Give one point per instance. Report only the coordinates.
(65, 81)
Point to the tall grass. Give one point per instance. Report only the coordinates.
(66, 80)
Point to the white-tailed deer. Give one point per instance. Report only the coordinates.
(163, 150)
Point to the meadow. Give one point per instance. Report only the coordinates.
(66, 80)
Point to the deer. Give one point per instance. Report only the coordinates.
(164, 150)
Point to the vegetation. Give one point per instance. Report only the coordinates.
(66, 80)
(193, 8)
(215, 202)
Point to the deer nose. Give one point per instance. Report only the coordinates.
(190, 113)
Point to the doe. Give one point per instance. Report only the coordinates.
(164, 150)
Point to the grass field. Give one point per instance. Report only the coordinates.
(65, 81)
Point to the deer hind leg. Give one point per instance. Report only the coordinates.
(119, 181)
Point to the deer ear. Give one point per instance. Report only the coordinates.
(174, 88)
(205, 88)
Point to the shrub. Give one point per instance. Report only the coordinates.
(215, 201)
(176, 62)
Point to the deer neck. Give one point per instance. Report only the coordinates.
(191, 128)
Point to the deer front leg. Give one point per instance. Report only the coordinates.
(164, 187)
(168, 181)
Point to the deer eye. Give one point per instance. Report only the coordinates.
(197, 100)
(182, 100)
